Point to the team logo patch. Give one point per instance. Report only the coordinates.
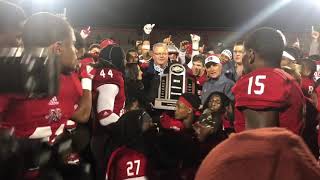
(54, 115)
(177, 69)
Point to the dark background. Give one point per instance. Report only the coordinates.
(297, 15)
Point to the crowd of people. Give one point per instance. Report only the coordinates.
(253, 113)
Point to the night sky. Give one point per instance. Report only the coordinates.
(298, 15)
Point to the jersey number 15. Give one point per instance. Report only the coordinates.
(258, 84)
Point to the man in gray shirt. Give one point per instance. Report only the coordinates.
(217, 81)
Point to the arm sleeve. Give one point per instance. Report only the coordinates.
(105, 104)
(182, 56)
(314, 48)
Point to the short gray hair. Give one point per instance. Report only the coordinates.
(160, 45)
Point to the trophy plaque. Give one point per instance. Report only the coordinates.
(172, 86)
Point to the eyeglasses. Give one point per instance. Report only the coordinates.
(161, 54)
(240, 52)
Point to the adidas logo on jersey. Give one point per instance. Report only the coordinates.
(54, 101)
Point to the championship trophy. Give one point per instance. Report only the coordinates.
(172, 86)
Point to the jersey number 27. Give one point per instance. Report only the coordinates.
(133, 168)
(260, 86)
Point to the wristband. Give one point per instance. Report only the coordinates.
(86, 84)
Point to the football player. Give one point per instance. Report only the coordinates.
(129, 160)
(267, 96)
(44, 119)
(108, 100)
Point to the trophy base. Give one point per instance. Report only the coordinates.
(165, 104)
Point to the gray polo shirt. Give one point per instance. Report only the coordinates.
(221, 84)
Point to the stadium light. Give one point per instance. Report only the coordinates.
(317, 3)
(264, 14)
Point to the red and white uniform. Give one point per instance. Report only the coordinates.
(43, 118)
(307, 86)
(127, 164)
(270, 88)
(87, 61)
(109, 95)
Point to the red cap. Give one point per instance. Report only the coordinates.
(106, 42)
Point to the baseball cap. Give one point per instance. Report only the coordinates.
(106, 42)
(213, 59)
(227, 53)
(287, 55)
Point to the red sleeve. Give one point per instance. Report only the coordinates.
(262, 90)
(86, 61)
(168, 122)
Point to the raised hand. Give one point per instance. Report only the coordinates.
(148, 28)
(195, 38)
(167, 40)
(315, 34)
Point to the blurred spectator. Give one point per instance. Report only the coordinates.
(139, 49)
(217, 81)
(134, 85)
(215, 113)
(132, 56)
(11, 23)
(233, 69)
(199, 72)
(289, 57)
(80, 45)
(91, 57)
(94, 50)
(183, 51)
(225, 56)
(186, 113)
(293, 72)
(145, 56)
(212, 122)
(266, 152)
(267, 96)
(307, 71)
(173, 54)
(133, 104)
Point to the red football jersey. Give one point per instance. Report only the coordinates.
(270, 88)
(307, 86)
(110, 76)
(126, 163)
(43, 118)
